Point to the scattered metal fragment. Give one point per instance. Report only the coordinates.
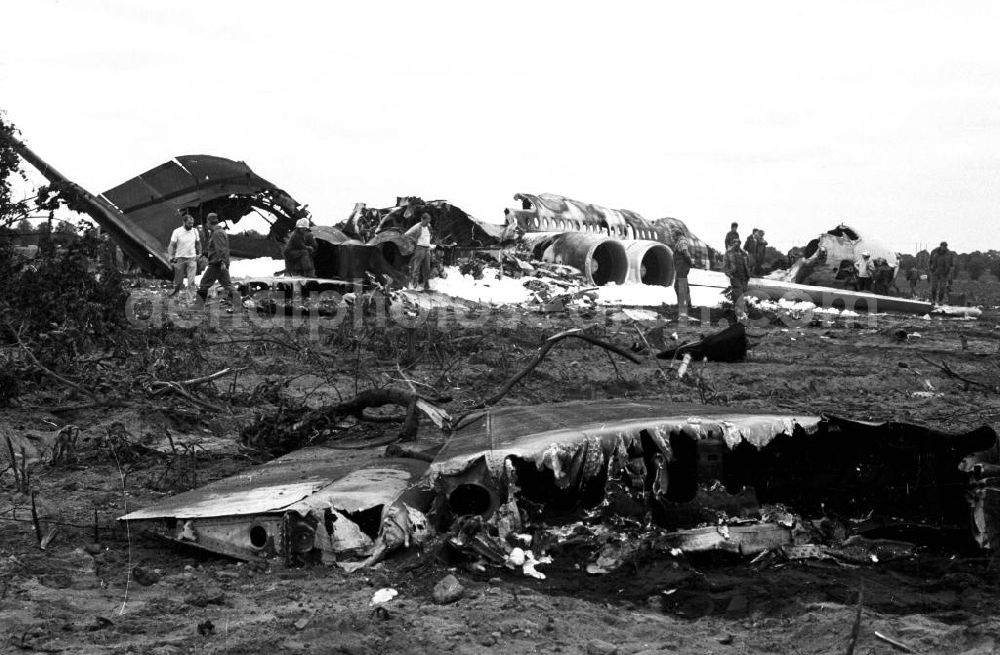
(728, 345)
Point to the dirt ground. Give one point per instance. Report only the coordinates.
(98, 588)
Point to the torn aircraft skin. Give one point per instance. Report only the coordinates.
(683, 464)
(450, 225)
(828, 260)
(597, 233)
(301, 507)
(381, 232)
(200, 184)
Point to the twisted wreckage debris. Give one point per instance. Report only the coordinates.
(685, 478)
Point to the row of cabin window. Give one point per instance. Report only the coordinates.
(562, 224)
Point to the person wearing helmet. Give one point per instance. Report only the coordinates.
(299, 251)
(864, 268)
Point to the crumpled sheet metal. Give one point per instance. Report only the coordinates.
(294, 505)
(541, 432)
(152, 200)
(289, 483)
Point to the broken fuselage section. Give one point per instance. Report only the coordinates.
(684, 468)
(683, 465)
(607, 245)
(829, 260)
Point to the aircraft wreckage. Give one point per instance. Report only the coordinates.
(605, 245)
(608, 245)
(699, 478)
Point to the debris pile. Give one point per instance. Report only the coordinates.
(601, 482)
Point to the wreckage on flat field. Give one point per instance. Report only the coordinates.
(693, 478)
(606, 246)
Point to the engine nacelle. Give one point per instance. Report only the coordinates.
(650, 262)
(601, 259)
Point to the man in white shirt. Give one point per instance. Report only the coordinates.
(420, 263)
(865, 267)
(183, 252)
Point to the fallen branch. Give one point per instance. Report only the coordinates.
(98, 400)
(181, 391)
(206, 378)
(546, 347)
(952, 374)
(405, 398)
(856, 630)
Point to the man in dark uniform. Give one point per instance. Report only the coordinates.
(217, 252)
(733, 235)
(737, 266)
(942, 269)
(682, 266)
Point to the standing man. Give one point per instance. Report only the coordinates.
(420, 263)
(217, 251)
(912, 276)
(759, 254)
(736, 265)
(864, 266)
(733, 235)
(682, 266)
(183, 252)
(299, 250)
(750, 246)
(942, 269)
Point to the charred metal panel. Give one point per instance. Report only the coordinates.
(343, 258)
(450, 224)
(667, 457)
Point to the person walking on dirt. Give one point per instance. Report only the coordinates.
(299, 250)
(733, 235)
(420, 263)
(942, 269)
(736, 265)
(864, 268)
(183, 252)
(682, 266)
(217, 251)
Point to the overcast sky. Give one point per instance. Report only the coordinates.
(791, 116)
